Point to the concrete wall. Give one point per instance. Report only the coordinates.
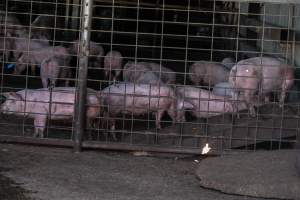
(291, 50)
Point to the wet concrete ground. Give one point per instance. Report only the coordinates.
(58, 174)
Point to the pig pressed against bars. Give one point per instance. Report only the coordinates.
(137, 99)
(202, 103)
(206, 73)
(35, 103)
(262, 75)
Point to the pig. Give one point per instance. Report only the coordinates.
(44, 27)
(147, 72)
(96, 53)
(113, 61)
(22, 45)
(36, 57)
(5, 49)
(137, 99)
(34, 103)
(167, 75)
(140, 73)
(228, 63)
(53, 68)
(205, 73)
(8, 23)
(222, 89)
(261, 75)
(202, 103)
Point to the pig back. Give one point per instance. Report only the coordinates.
(62, 101)
(136, 98)
(208, 73)
(205, 103)
(268, 71)
(165, 74)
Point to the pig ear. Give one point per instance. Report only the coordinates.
(187, 105)
(6, 94)
(16, 95)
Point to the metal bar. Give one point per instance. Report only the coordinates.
(36, 141)
(80, 119)
(126, 147)
(97, 145)
(263, 1)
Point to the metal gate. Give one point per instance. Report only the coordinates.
(150, 75)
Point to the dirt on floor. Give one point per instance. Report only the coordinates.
(59, 174)
(9, 190)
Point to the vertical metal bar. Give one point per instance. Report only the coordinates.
(67, 18)
(80, 119)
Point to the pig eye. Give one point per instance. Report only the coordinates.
(2, 99)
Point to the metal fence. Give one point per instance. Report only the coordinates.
(150, 75)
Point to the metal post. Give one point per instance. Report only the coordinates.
(80, 112)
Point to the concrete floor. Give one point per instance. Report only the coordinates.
(58, 174)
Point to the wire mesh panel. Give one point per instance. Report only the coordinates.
(38, 71)
(175, 76)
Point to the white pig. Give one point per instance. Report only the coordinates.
(137, 99)
(222, 89)
(141, 72)
(202, 103)
(113, 61)
(34, 103)
(52, 69)
(36, 57)
(8, 23)
(228, 62)
(207, 73)
(96, 53)
(261, 75)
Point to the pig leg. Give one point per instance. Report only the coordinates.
(249, 94)
(39, 125)
(33, 67)
(113, 128)
(52, 82)
(235, 96)
(43, 74)
(180, 116)
(45, 82)
(89, 123)
(285, 86)
(158, 117)
(172, 114)
(69, 75)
